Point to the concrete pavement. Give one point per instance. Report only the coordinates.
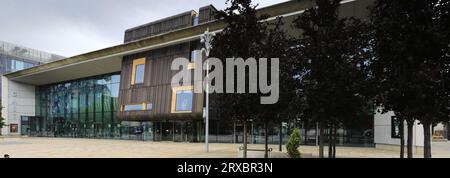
(93, 148)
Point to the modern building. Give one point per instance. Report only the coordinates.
(15, 58)
(124, 91)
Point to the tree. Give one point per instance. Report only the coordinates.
(333, 72)
(410, 64)
(2, 123)
(293, 144)
(278, 45)
(247, 36)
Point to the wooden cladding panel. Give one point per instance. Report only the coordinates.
(156, 88)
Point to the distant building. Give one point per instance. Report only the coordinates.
(14, 58)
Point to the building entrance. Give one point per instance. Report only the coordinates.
(178, 131)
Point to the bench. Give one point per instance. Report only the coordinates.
(241, 148)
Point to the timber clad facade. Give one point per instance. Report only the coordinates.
(156, 88)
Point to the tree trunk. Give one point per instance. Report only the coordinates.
(281, 137)
(334, 140)
(330, 141)
(266, 139)
(402, 138)
(410, 123)
(321, 144)
(245, 139)
(427, 139)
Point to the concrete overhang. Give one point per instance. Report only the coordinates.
(104, 61)
(109, 60)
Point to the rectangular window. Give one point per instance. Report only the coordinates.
(13, 128)
(20, 65)
(17, 65)
(138, 107)
(195, 54)
(135, 107)
(149, 107)
(195, 20)
(28, 65)
(138, 71)
(182, 99)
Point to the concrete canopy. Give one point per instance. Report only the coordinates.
(109, 60)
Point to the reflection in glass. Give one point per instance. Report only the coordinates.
(82, 108)
(136, 107)
(140, 70)
(184, 101)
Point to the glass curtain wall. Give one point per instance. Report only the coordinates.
(87, 108)
(82, 108)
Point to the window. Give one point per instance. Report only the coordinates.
(138, 107)
(135, 107)
(195, 20)
(138, 71)
(17, 65)
(28, 65)
(194, 55)
(13, 128)
(149, 107)
(182, 99)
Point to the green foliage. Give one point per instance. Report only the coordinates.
(412, 65)
(247, 36)
(333, 68)
(293, 144)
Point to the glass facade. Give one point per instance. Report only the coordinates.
(87, 108)
(81, 108)
(21, 52)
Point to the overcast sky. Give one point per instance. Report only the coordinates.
(72, 27)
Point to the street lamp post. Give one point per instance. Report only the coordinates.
(206, 39)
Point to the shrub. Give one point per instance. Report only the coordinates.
(293, 144)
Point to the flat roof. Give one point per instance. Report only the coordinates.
(108, 60)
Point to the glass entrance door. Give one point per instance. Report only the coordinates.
(24, 125)
(167, 131)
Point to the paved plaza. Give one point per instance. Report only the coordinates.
(92, 148)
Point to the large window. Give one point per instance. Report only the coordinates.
(138, 71)
(182, 99)
(16, 65)
(84, 108)
(138, 107)
(134, 107)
